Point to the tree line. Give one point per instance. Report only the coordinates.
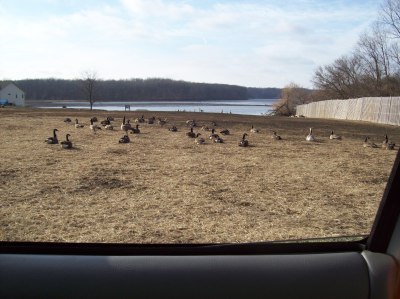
(371, 69)
(136, 89)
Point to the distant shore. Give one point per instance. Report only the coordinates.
(39, 102)
(246, 107)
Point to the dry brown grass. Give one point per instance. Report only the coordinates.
(163, 188)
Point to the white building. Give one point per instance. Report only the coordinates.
(11, 93)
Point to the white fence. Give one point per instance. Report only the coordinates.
(378, 110)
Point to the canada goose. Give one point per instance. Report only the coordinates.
(151, 120)
(244, 142)
(124, 139)
(94, 127)
(254, 130)
(390, 146)
(386, 144)
(191, 123)
(213, 135)
(77, 124)
(125, 126)
(385, 141)
(140, 120)
(368, 143)
(135, 130)
(218, 139)
(66, 143)
(162, 122)
(275, 136)
(67, 120)
(199, 140)
(191, 134)
(106, 122)
(173, 129)
(334, 136)
(310, 136)
(52, 140)
(109, 127)
(94, 119)
(225, 132)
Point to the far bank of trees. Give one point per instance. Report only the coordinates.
(92, 89)
(372, 68)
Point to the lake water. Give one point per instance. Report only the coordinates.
(246, 107)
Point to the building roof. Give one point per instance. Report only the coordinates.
(6, 83)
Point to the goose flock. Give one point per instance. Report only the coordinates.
(126, 127)
(67, 144)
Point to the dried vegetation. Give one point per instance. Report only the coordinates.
(163, 188)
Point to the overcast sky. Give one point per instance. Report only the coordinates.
(248, 43)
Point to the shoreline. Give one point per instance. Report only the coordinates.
(145, 100)
(250, 107)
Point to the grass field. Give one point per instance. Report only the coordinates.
(163, 188)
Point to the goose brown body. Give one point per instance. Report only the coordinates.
(93, 126)
(386, 144)
(368, 143)
(135, 130)
(275, 136)
(310, 136)
(125, 126)
(225, 132)
(244, 142)
(333, 136)
(191, 134)
(124, 139)
(254, 130)
(53, 139)
(213, 135)
(66, 144)
(199, 140)
(77, 124)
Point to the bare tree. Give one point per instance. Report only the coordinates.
(89, 83)
(373, 49)
(341, 79)
(373, 69)
(390, 15)
(291, 96)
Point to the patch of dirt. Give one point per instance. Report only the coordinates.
(100, 182)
